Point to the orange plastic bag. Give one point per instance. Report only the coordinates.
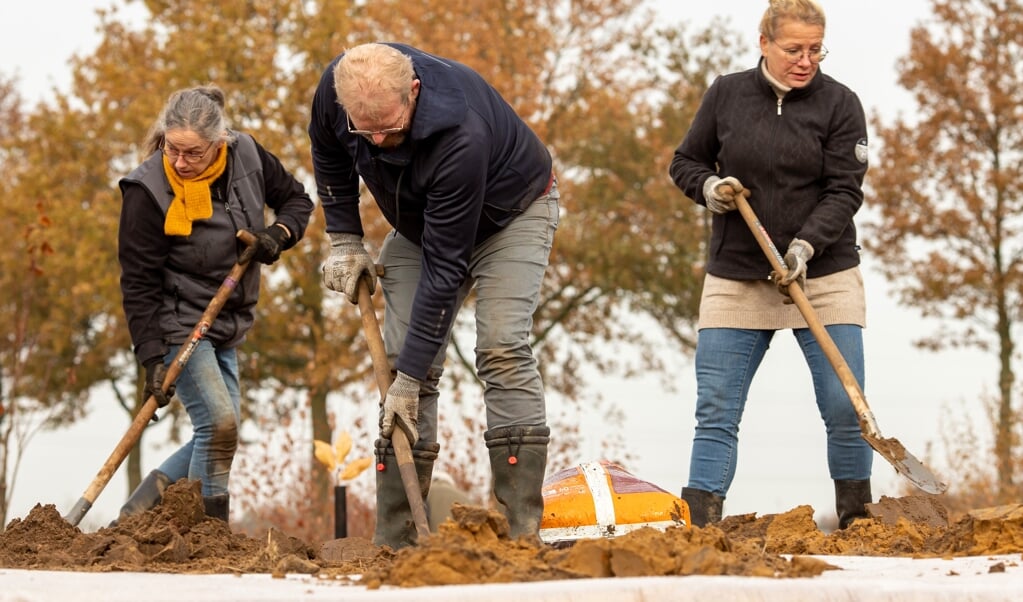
(602, 499)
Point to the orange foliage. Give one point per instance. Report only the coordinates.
(607, 88)
(948, 192)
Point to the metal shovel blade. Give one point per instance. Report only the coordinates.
(890, 449)
(905, 463)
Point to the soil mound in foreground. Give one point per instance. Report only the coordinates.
(474, 547)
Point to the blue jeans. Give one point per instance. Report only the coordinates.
(208, 388)
(726, 361)
(506, 270)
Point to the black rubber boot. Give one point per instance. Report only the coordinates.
(395, 525)
(850, 499)
(218, 506)
(518, 459)
(147, 495)
(704, 506)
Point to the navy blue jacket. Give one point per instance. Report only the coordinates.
(468, 167)
(803, 158)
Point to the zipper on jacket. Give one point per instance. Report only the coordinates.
(779, 105)
(241, 203)
(225, 199)
(397, 197)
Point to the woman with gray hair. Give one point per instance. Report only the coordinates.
(199, 184)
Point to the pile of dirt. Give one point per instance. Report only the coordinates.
(174, 537)
(474, 547)
(912, 534)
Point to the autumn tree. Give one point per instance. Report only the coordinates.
(949, 190)
(608, 89)
(62, 338)
(12, 308)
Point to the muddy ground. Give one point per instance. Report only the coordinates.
(176, 537)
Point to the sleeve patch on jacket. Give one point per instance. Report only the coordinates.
(861, 150)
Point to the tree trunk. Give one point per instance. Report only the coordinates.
(3, 482)
(322, 487)
(1005, 421)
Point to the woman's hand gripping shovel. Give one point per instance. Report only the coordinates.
(891, 449)
(402, 446)
(148, 410)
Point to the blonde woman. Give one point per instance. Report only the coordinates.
(796, 139)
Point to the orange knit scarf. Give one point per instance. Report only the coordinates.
(192, 199)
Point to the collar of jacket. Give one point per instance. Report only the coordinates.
(794, 93)
(441, 103)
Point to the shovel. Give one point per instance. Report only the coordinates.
(400, 442)
(148, 409)
(890, 449)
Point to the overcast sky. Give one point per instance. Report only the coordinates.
(782, 459)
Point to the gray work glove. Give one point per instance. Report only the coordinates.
(402, 405)
(720, 193)
(156, 374)
(798, 253)
(348, 261)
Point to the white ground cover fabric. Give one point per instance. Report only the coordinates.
(973, 579)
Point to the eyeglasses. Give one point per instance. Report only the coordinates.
(794, 55)
(189, 156)
(383, 132)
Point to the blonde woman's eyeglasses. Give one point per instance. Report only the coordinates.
(794, 55)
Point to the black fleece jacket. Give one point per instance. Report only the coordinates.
(168, 281)
(803, 158)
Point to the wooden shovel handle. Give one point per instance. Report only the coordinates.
(866, 417)
(148, 409)
(890, 449)
(402, 447)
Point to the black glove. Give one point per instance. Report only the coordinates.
(269, 243)
(156, 373)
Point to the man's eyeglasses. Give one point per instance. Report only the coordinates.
(383, 132)
(794, 55)
(189, 156)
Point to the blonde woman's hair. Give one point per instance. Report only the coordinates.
(805, 11)
(369, 76)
